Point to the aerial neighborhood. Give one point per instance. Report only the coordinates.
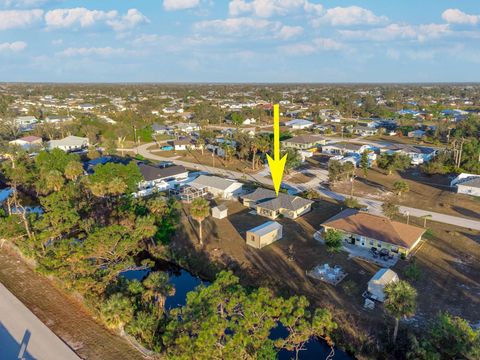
(380, 194)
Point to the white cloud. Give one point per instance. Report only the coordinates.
(64, 18)
(92, 51)
(22, 3)
(237, 26)
(268, 8)
(316, 45)
(287, 32)
(455, 16)
(172, 5)
(399, 31)
(352, 15)
(83, 18)
(12, 19)
(131, 19)
(13, 46)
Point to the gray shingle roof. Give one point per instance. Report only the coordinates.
(475, 182)
(212, 181)
(268, 200)
(150, 172)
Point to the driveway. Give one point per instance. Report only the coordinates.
(24, 336)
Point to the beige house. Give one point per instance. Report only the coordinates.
(373, 231)
(304, 142)
(267, 204)
(264, 234)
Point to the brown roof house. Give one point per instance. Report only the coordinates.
(367, 230)
(266, 203)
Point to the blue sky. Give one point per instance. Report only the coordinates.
(240, 41)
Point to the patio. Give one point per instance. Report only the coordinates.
(366, 254)
(362, 253)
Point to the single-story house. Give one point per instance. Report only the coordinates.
(220, 211)
(374, 231)
(468, 184)
(161, 129)
(364, 130)
(154, 175)
(377, 284)
(53, 119)
(187, 127)
(303, 142)
(89, 165)
(264, 234)
(28, 142)
(218, 186)
(266, 203)
(418, 154)
(70, 143)
(299, 124)
(345, 148)
(25, 123)
(416, 134)
(182, 144)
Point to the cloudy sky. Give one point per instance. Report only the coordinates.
(240, 40)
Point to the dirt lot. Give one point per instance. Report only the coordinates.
(67, 317)
(449, 261)
(195, 156)
(428, 193)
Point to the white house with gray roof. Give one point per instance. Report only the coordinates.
(468, 184)
(266, 203)
(70, 143)
(217, 186)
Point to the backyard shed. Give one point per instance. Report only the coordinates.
(220, 211)
(264, 234)
(377, 283)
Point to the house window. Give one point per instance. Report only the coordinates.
(371, 242)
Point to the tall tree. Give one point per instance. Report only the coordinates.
(400, 302)
(364, 162)
(157, 288)
(200, 209)
(117, 311)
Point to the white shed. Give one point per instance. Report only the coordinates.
(377, 283)
(220, 211)
(264, 234)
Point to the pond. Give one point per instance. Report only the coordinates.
(185, 282)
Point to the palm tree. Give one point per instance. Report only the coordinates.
(157, 206)
(73, 170)
(199, 210)
(54, 180)
(117, 311)
(157, 288)
(400, 302)
(400, 187)
(263, 145)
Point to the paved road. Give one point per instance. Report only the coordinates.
(374, 205)
(24, 336)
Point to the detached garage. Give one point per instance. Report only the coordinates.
(264, 234)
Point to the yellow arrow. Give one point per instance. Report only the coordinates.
(276, 165)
